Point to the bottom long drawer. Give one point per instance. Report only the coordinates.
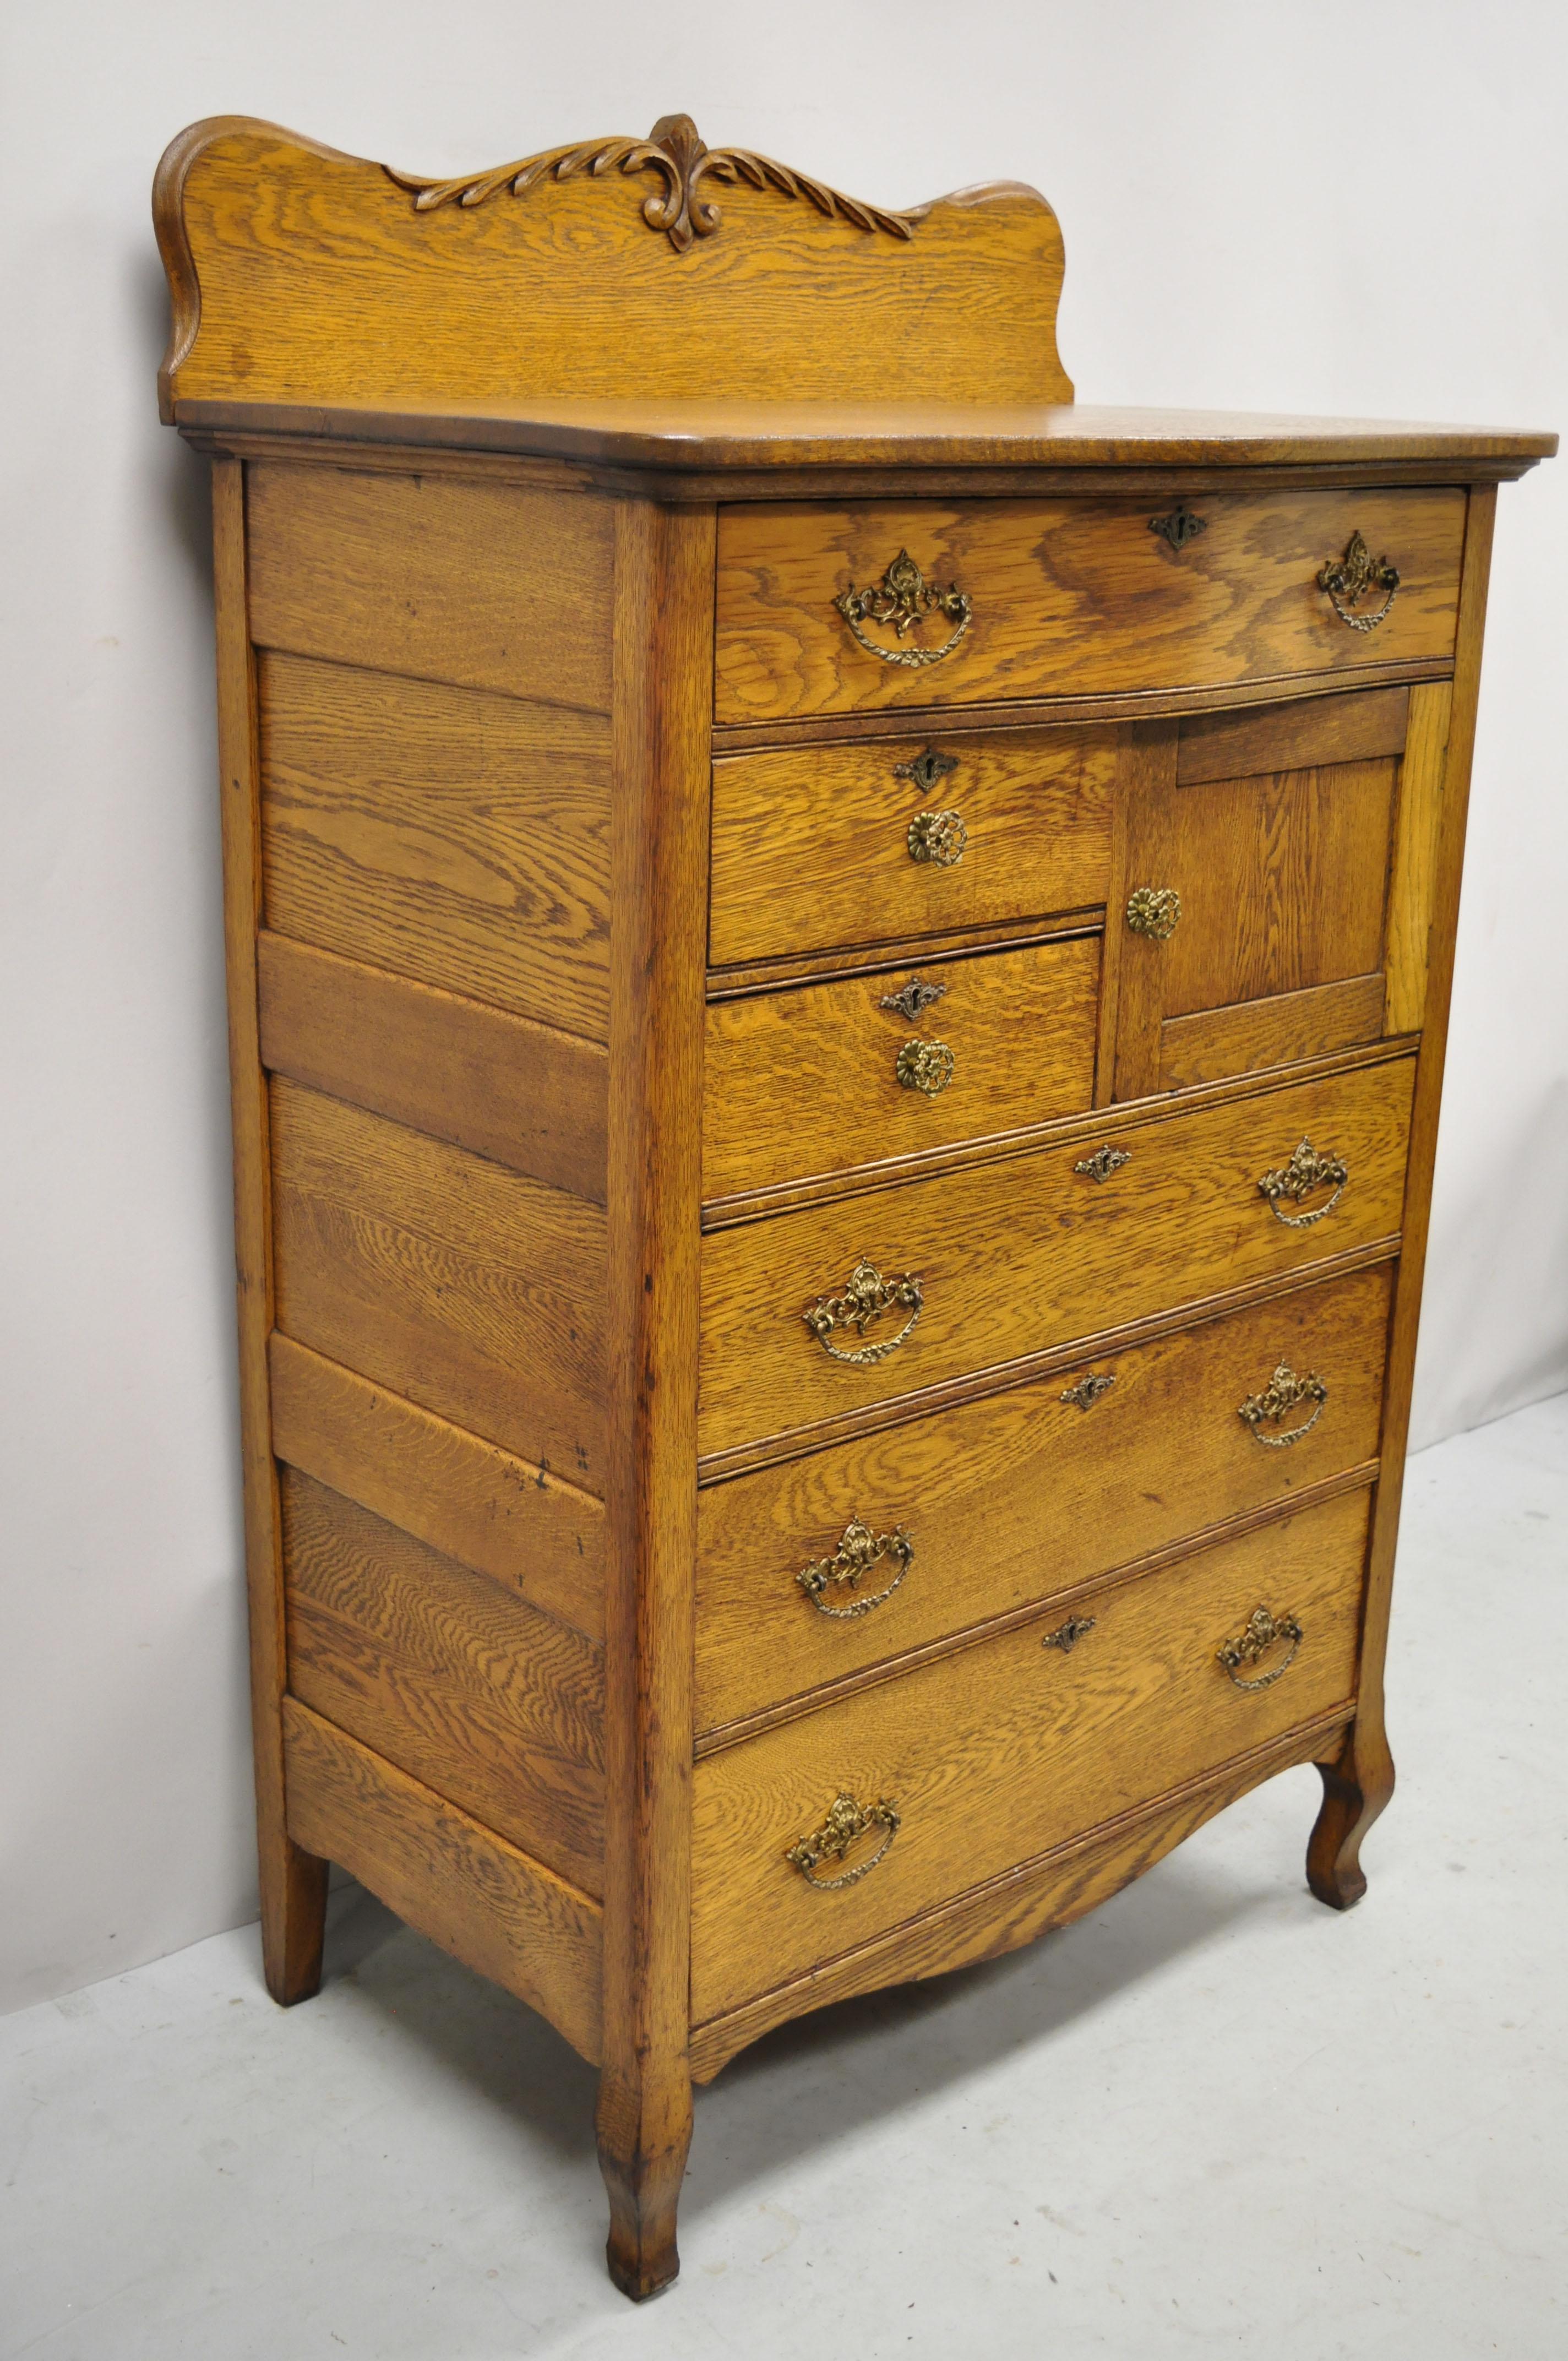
(998, 1752)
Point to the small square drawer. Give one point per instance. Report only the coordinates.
(870, 1067)
(826, 1832)
(813, 1317)
(845, 610)
(821, 848)
(813, 1571)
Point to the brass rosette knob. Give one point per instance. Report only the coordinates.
(940, 837)
(926, 1066)
(1154, 911)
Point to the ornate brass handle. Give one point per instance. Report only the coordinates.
(1283, 1393)
(859, 1550)
(926, 1066)
(1154, 911)
(1307, 1170)
(900, 600)
(846, 1824)
(940, 837)
(1249, 1647)
(1355, 576)
(867, 1295)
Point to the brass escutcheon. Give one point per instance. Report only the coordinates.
(1089, 1390)
(913, 999)
(1263, 1631)
(867, 1295)
(1067, 1635)
(926, 1066)
(1356, 577)
(1307, 1170)
(1103, 1162)
(925, 770)
(846, 1824)
(1179, 527)
(898, 602)
(1154, 911)
(1283, 1393)
(857, 1551)
(938, 835)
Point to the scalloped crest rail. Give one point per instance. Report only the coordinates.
(303, 275)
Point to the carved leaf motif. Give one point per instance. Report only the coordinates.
(672, 149)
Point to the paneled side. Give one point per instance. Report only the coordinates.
(475, 1292)
(503, 1915)
(456, 837)
(481, 585)
(448, 1675)
(521, 1094)
(506, 1517)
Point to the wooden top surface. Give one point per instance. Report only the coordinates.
(714, 436)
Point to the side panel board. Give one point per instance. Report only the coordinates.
(476, 1293)
(502, 1914)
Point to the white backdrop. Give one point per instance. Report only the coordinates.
(1340, 205)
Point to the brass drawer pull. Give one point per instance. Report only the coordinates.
(1154, 912)
(1069, 1634)
(846, 1824)
(899, 601)
(867, 1295)
(1089, 1390)
(938, 837)
(1353, 577)
(859, 1550)
(926, 1066)
(1283, 1393)
(1307, 1170)
(1263, 1631)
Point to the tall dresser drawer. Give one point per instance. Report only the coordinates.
(991, 1755)
(821, 1314)
(820, 610)
(831, 1075)
(821, 1568)
(818, 848)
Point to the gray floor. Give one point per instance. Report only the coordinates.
(1213, 2117)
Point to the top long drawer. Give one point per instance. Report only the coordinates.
(1028, 598)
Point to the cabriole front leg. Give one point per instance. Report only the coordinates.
(1357, 1784)
(643, 2138)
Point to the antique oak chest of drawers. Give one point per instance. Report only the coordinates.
(838, 974)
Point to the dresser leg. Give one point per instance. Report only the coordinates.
(1357, 1784)
(293, 1920)
(642, 2148)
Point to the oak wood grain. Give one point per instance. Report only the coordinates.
(1069, 596)
(502, 1914)
(452, 1676)
(1307, 733)
(525, 1094)
(1025, 1252)
(1358, 1779)
(1025, 1493)
(293, 1882)
(1036, 1745)
(300, 274)
(473, 1291)
(811, 845)
(481, 586)
(1280, 1029)
(1413, 883)
(664, 649)
(1017, 1907)
(501, 1515)
(453, 837)
(804, 1080)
